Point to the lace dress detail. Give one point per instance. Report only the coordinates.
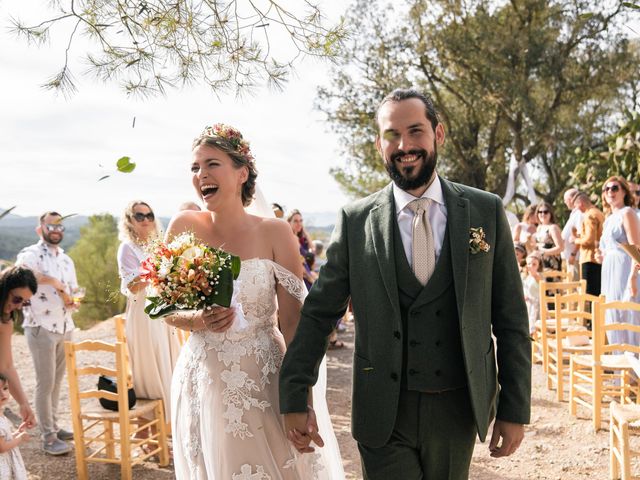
(11, 463)
(225, 392)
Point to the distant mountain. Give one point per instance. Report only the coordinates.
(17, 232)
(319, 219)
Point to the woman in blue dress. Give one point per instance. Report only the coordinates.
(620, 227)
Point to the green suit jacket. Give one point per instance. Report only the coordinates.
(361, 265)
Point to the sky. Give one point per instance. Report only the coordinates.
(54, 150)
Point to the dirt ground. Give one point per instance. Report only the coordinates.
(557, 446)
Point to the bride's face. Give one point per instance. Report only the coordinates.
(215, 176)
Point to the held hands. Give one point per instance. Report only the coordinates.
(218, 319)
(302, 428)
(21, 434)
(511, 435)
(28, 417)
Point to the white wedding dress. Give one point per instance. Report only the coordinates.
(225, 413)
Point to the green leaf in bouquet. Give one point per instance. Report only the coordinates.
(224, 289)
(235, 266)
(158, 309)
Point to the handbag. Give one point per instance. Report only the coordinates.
(109, 384)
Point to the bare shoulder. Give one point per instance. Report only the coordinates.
(274, 228)
(188, 221)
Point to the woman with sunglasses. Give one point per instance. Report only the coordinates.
(548, 237)
(153, 348)
(620, 227)
(17, 286)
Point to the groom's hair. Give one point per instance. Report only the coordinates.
(400, 94)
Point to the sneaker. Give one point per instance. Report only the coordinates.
(56, 447)
(64, 435)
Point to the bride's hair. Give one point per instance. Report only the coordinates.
(241, 158)
(126, 232)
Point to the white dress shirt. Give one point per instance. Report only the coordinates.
(437, 216)
(47, 308)
(574, 221)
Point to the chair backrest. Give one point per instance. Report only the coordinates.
(557, 275)
(121, 336)
(83, 376)
(574, 313)
(601, 327)
(548, 290)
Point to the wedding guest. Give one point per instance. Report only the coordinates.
(621, 226)
(587, 241)
(48, 324)
(153, 347)
(11, 463)
(524, 231)
(318, 247)
(190, 206)
(521, 255)
(17, 286)
(304, 241)
(531, 287)
(570, 251)
(548, 237)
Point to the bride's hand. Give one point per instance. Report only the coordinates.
(218, 319)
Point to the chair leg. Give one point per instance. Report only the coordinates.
(78, 440)
(614, 447)
(560, 378)
(162, 435)
(110, 449)
(626, 461)
(597, 399)
(572, 403)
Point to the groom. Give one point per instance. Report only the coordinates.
(430, 269)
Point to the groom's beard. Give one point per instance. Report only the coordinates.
(411, 178)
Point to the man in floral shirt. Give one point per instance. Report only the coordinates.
(48, 324)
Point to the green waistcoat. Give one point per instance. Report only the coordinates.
(432, 353)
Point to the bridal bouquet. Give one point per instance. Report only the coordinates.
(188, 275)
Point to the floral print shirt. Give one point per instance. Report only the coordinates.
(47, 308)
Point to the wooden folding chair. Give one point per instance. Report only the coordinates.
(546, 326)
(607, 374)
(573, 314)
(105, 436)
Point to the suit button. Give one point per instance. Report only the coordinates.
(413, 343)
(438, 373)
(437, 313)
(438, 343)
(396, 334)
(412, 371)
(394, 377)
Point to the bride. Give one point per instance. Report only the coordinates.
(224, 394)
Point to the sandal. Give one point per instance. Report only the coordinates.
(336, 344)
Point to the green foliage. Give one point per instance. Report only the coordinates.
(95, 258)
(149, 46)
(618, 155)
(525, 78)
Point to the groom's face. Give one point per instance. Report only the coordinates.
(408, 144)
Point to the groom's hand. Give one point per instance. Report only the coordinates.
(511, 435)
(302, 429)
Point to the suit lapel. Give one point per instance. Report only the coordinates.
(458, 224)
(382, 217)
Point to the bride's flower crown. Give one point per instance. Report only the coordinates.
(232, 136)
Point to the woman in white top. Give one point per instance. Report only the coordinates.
(153, 346)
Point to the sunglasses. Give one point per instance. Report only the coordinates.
(636, 192)
(141, 216)
(18, 300)
(612, 188)
(543, 212)
(54, 227)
